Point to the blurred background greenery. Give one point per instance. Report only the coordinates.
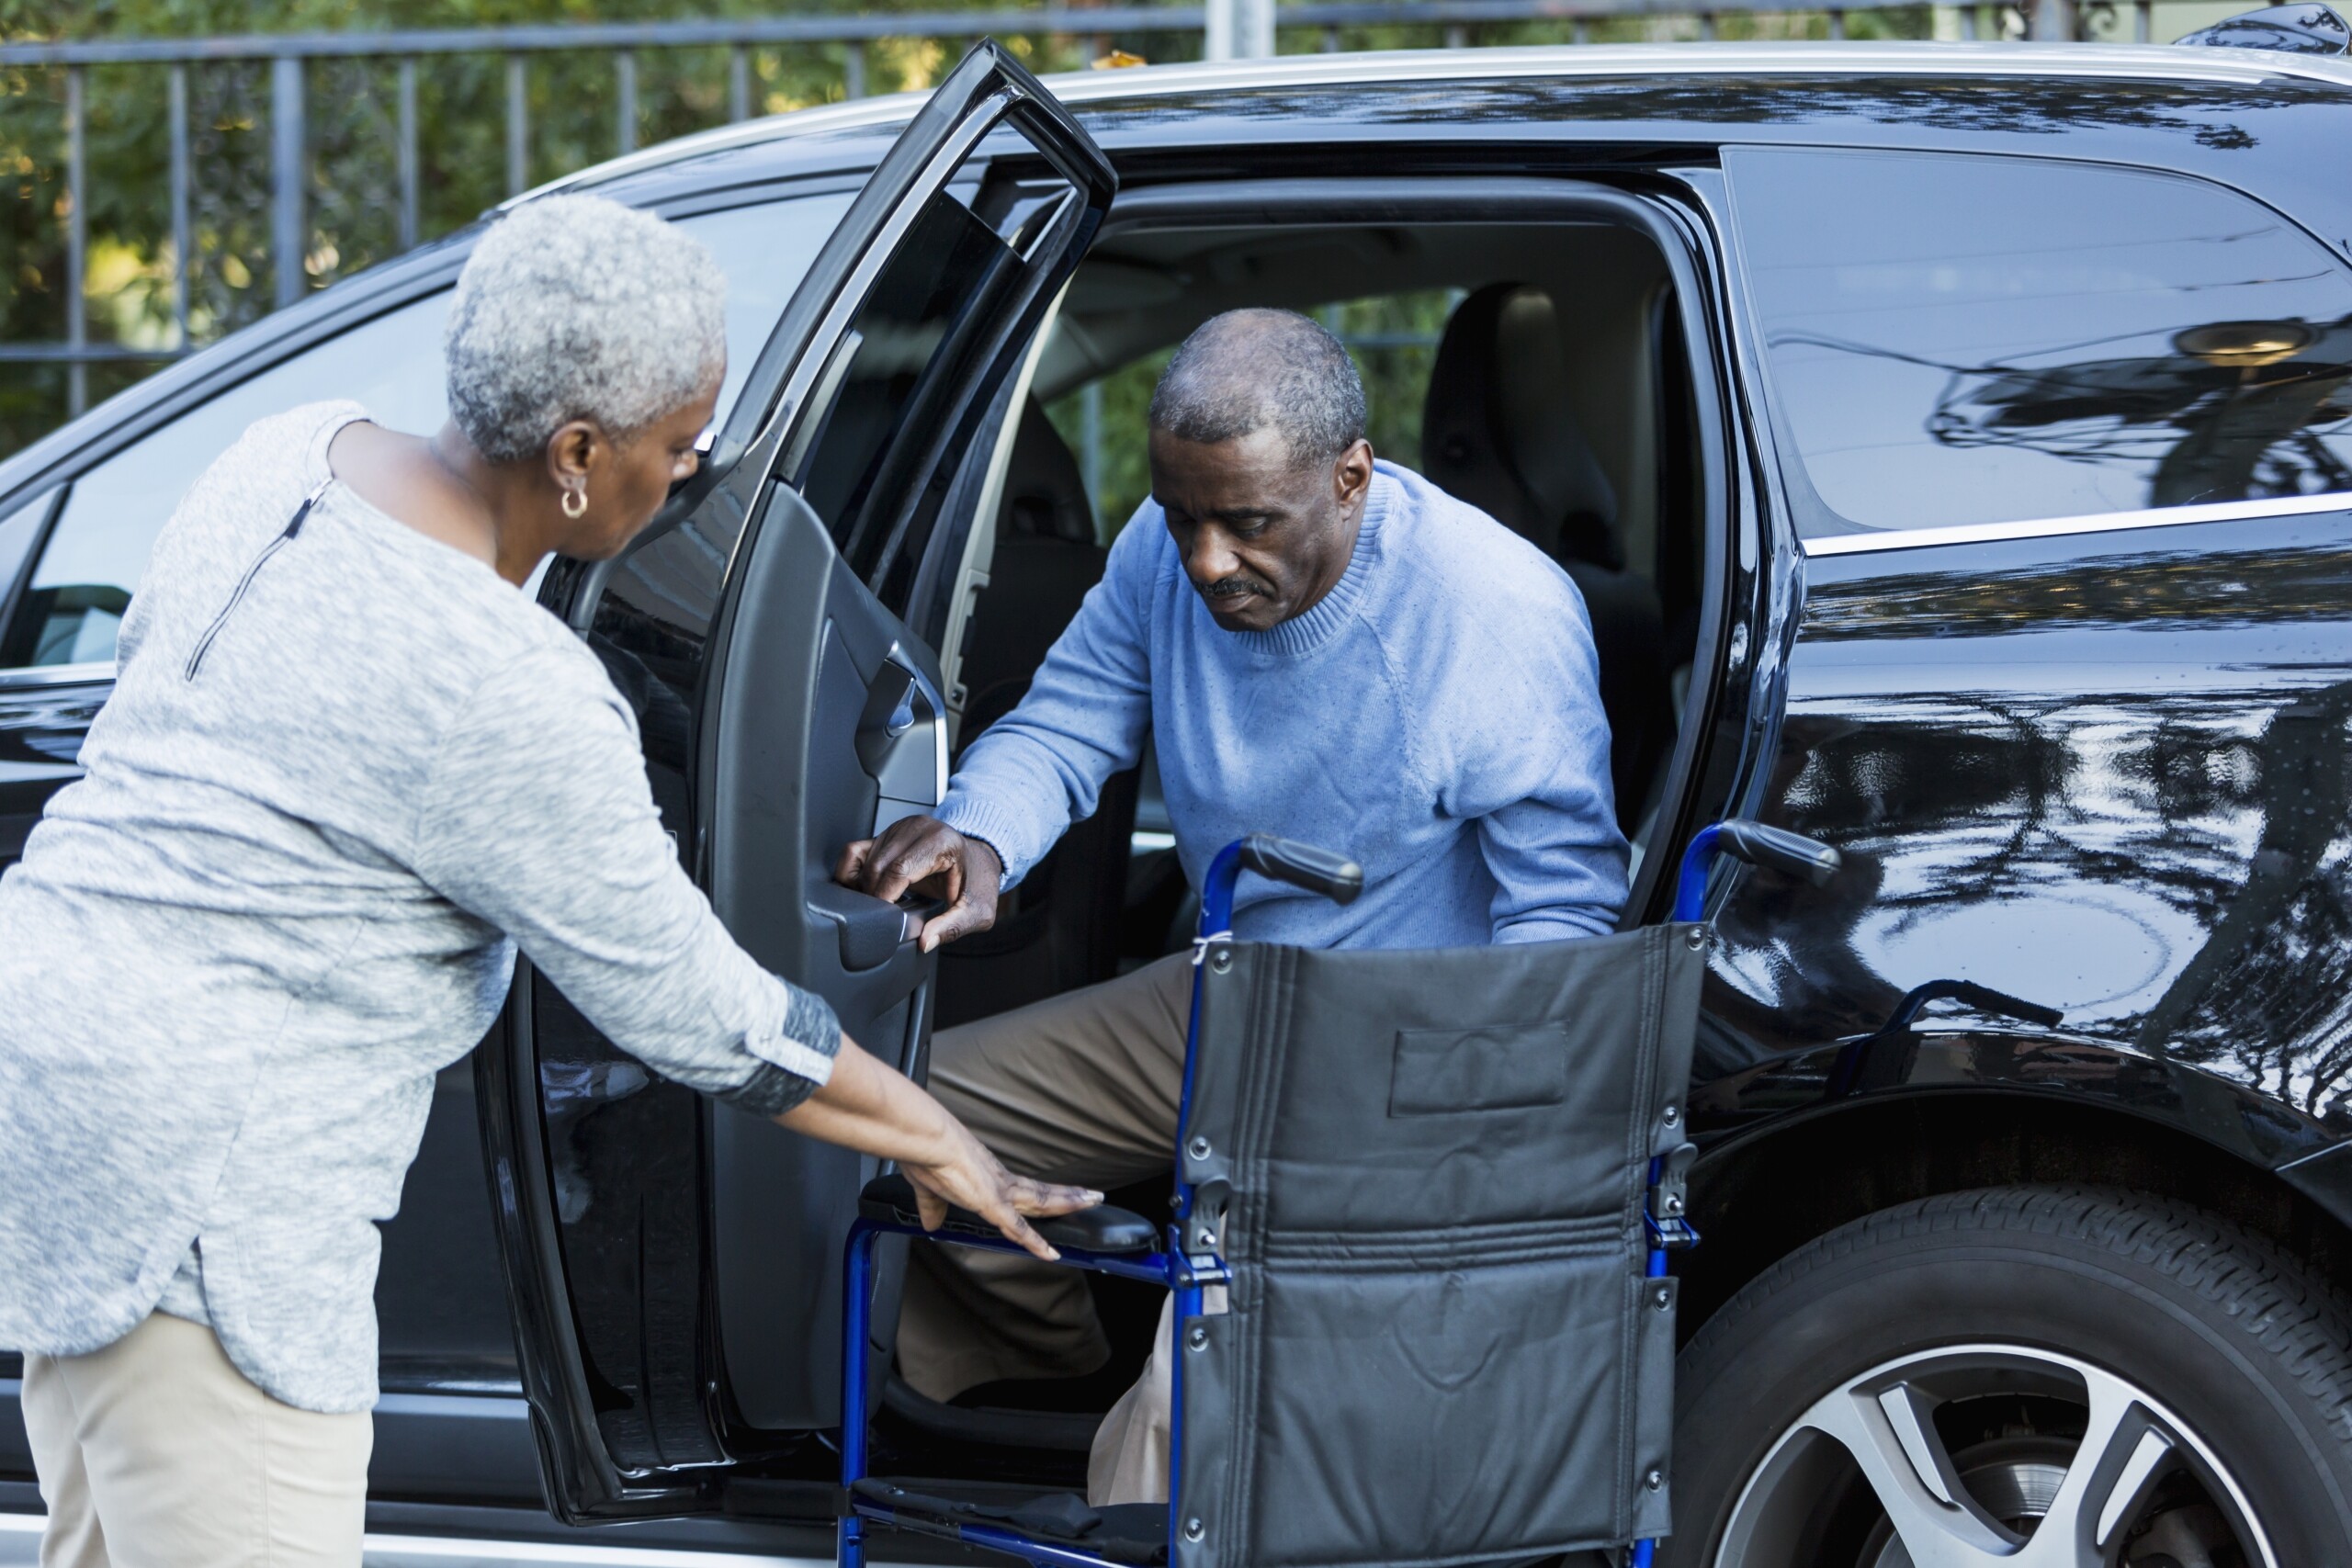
(1393, 340)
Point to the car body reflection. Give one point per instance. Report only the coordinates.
(2112, 780)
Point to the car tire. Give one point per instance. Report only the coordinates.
(1937, 1348)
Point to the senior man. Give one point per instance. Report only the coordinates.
(1320, 644)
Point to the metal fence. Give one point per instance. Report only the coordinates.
(289, 202)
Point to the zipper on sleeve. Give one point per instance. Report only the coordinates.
(292, 531)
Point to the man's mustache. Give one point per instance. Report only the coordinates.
(1235, 587)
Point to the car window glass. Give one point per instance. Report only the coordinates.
(91, 567)
(918, 333)
(1956, 340)
(392, 365)
(765, 251)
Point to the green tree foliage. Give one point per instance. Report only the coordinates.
(352, 108)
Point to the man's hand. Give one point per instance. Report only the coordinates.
(926, 856)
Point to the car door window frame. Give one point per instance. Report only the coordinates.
(12, 595)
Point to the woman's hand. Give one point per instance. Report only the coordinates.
(970, 1178)
(876, 1110)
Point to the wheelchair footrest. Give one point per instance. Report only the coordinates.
(1124, 1532)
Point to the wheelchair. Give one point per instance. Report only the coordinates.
(1440, 1188)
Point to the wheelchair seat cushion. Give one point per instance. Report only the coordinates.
(1123, 1532)
(891, 1199)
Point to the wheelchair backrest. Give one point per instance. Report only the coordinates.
(1426, 1171)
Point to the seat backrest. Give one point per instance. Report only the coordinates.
(1497, 432)
(1441, 1345)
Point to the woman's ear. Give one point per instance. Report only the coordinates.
(574, 453)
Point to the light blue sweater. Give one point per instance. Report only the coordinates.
(1437, 715)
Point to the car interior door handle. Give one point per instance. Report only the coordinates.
(871, 930)
(902, 740)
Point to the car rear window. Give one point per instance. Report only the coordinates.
(99, 549)
(1956, 339)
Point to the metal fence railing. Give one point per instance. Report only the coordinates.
(288, 160)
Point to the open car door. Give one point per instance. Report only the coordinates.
(674, 1263)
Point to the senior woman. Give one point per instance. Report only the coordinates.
(346, 771)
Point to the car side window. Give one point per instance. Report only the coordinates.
(392, 364)
(1956, 339)
(765, 251)
(91, 565)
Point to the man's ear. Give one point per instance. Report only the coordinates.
(1351, 475)
(574, 453)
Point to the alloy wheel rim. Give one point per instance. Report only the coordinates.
(2133, 1484)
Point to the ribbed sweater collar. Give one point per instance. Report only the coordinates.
(1306, 633)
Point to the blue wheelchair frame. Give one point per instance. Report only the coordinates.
(1186, 1275)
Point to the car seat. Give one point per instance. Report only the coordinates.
(1059, 929)
(1496, 432)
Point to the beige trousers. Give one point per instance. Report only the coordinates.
(1080, 1088)
(156, 1452)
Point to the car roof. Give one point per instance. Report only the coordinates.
(1137, 86)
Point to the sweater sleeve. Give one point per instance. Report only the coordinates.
(1042, 766)
(1540, 788)
(537, 818)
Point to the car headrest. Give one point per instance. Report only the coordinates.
(1497, 431)
(1044, 494)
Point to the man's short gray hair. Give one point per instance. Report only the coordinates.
(575, 307)
(1247, 370)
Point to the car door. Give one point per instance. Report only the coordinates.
(676, 1263)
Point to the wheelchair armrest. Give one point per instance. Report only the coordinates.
(891, 1199)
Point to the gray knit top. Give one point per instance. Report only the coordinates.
(345, 772)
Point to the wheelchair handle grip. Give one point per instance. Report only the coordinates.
(1780, 849)
(1332, 875)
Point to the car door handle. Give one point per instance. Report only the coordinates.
(871, 930)
(902, 740)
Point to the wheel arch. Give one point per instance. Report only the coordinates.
(1761, 1194)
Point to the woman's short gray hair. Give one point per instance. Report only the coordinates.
(575, 307)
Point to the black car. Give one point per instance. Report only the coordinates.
(1955, 449)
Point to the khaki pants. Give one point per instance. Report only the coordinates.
(1081, 1088)
(156, 1452)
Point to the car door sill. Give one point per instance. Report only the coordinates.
(20, 1547)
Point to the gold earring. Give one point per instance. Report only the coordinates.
(575, 503)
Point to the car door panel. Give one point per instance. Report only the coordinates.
(810, 654)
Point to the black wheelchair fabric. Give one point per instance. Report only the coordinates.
(1431, 1167)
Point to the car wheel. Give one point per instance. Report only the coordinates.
(2023, 1376)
